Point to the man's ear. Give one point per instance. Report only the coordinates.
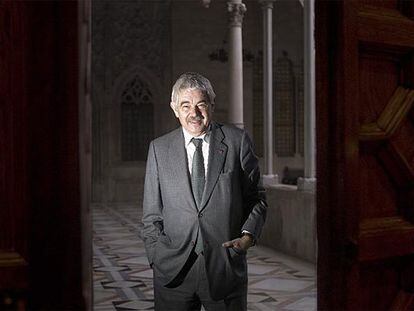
(173, 107)
(212, 107)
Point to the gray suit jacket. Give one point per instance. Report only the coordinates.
(233, 201)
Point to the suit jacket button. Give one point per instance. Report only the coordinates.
(200, 215)
(192, 243)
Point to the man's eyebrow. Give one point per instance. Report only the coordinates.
(204, 101)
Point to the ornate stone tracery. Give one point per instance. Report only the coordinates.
(139, 32)
(130, 40)
(137, 120)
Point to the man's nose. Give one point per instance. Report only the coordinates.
(195, 111)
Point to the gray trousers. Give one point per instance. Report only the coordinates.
(190, 291)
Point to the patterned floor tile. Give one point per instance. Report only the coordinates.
(304, 304)
(107, 269)
(103, 296)
(260, 269)
(135, 305)
(123, 280)
(143, 274)
(253, 298)
(279, 284)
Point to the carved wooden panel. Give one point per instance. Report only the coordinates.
(13, 158)
(368, 97)
(40, 183)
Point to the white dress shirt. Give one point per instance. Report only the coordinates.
(190, 148)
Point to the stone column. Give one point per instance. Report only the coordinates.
(269, 178)
(308, 183)
(236, 10)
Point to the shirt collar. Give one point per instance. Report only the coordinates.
(188, 137)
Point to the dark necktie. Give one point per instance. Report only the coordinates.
(197, 171)
(197, 183)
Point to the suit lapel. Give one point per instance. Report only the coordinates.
(177, 157)
(216, 158)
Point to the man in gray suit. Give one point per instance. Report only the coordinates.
(204, 206)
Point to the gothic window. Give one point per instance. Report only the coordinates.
(300, 101)
(137, 120)
(288, 105)
(258, 122)
(284, 112)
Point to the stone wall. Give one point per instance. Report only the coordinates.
(291, 222)
(131, 47)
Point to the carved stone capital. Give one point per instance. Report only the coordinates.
(236, 13)
(266, 4)
(206, 3)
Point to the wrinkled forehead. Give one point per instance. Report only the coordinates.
(192, 94)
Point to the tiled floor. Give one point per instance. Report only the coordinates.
(123, 279)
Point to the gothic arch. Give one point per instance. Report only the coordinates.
(135, 95)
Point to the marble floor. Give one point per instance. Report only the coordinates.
(123, 279)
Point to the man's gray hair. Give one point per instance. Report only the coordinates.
(192, 81)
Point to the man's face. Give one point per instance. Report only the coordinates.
(194, 111)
